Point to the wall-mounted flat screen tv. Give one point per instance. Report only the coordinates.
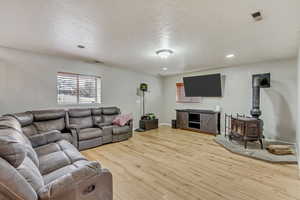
(203, 86)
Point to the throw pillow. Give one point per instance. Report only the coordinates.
(121, 120)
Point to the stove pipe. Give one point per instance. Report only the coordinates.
(258, 81)
(256, 112)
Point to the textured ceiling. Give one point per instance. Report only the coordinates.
(127, 33)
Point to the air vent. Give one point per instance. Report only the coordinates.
(98, 62)
(257, 16)
(94, 61)
(80, 46)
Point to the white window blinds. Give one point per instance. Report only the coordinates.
(78, 89)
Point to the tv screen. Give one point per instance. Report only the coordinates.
(203, 86)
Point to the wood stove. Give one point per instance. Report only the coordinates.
(245, 129)
(249, 128)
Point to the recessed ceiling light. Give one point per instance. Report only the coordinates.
(81, 46)
(230, 56)
(164, 68)
(164, 53)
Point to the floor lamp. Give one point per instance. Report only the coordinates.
(143, 88)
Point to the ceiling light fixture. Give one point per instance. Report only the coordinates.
(164, 53)
(164, 68)
(80, 46)
(230, 56)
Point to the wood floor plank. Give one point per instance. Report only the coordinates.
(172, 164)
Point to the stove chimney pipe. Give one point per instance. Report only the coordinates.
(256, 112)
(258, 81)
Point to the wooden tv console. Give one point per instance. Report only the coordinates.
(204, 121)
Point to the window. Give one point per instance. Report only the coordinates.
(180, 95)
(78, 89)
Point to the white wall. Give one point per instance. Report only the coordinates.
(278, 103)
(28, 82)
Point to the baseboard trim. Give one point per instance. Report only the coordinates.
(164, 124)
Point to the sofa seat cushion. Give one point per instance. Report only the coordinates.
(121, 130)
(48, 178)
(90, 133)
(54, 156)
(88, 144)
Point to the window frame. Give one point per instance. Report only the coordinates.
(78, 89)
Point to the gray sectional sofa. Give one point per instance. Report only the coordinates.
(39, 159)
(47, 169)
(84, 128)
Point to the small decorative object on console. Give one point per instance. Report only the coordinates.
(148, 116)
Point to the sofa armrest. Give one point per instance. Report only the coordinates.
(86, 182)
(74, 134)
(74, 126)
(45, 138)
(130, 123)
(74, 129)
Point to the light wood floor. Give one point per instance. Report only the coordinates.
(171, 164)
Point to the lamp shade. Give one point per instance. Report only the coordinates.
(144, 87)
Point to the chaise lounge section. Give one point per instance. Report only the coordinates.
(50, 168)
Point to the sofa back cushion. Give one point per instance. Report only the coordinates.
(25, 118)
(110, 111)
(97, 115)
(13, 185)
(109, 114)
(30, 130)
(79, 112)
(26, 121)
(47, 120)
(81, 117)
(14, 145)
(108, 118)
